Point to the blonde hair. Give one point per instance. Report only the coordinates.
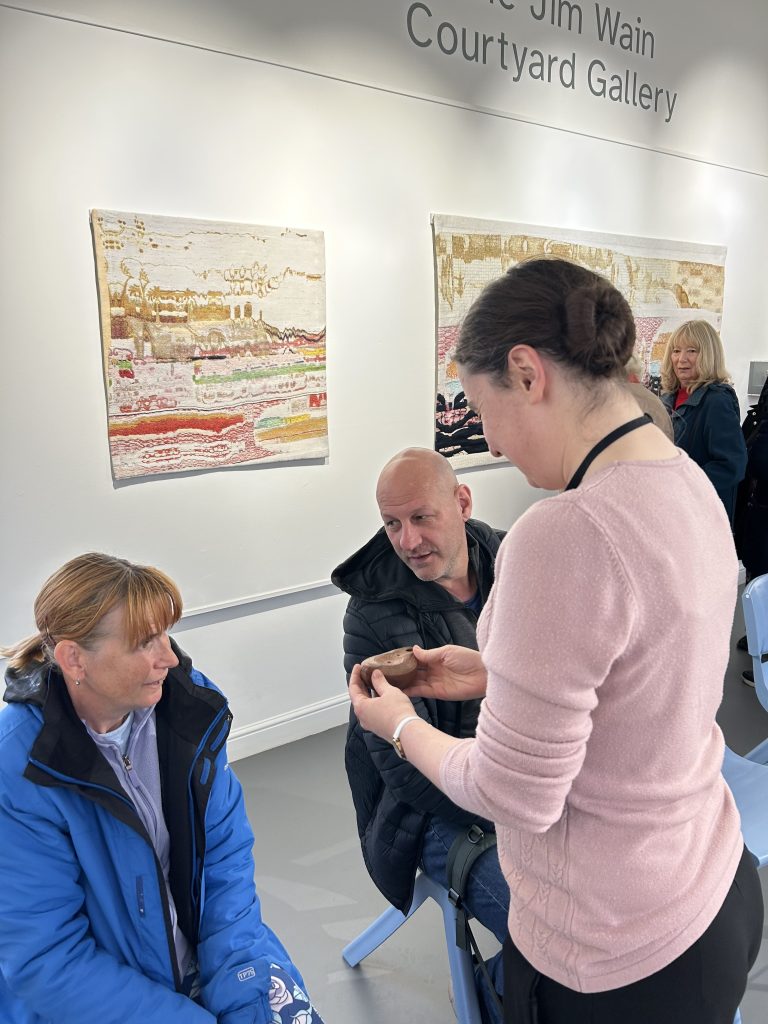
(73, 602)
(711, 363)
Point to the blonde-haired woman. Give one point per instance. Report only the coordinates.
(697, 391)
(125, 850)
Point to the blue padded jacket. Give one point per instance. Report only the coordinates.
(85, 931)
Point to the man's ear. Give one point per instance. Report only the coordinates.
(69, 658)
(464, 498)
(527, 371)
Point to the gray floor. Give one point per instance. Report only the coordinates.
(317, 896)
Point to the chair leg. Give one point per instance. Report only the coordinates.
(459, 960)
(386, 924)
(463, 978)
(465, 1000)
(373, 936)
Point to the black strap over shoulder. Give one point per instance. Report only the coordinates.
(606, 442)
(462, 855)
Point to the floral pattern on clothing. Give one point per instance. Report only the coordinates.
(288, 1002)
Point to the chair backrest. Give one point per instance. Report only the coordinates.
(754, 602)
(748, 781)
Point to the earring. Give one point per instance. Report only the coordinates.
(77, 682)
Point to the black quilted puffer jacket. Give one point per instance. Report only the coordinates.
(390, 607)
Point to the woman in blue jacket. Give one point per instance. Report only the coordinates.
(703, 406)
(125, 851)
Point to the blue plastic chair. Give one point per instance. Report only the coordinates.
(747, 776)
(462, 970)
(460, 961)
(754, 602)
(748, 781)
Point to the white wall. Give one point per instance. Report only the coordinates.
(97, 118)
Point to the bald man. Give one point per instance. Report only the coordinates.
(422, 579)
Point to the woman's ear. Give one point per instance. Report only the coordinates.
(69, 658)
(527, 371)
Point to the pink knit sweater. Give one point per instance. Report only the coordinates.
(606, 638)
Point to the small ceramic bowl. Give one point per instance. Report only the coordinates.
(399, 667)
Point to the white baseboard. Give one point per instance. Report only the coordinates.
(294, 725)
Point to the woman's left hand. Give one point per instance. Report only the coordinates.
(380, 713)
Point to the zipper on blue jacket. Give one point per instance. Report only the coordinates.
(80, 782)
(190, 798)
(140, 895)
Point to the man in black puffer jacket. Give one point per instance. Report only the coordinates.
(422, 579)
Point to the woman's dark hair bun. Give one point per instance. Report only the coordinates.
(560, 308)
(599, 333)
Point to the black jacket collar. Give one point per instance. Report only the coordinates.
(63, 745)
(375, 573)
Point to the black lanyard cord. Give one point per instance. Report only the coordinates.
(592, 454)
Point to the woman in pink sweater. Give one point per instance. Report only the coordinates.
(602, 653)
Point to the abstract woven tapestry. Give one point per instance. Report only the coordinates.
(665, 283)
(213, 342)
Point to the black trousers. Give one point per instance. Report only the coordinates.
(703, 986)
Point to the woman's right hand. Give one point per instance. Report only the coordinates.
(448, 673)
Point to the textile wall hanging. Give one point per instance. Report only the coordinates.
(213, 342)
(665, 283)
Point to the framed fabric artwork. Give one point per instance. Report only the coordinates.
(665, 283)
(213, 341)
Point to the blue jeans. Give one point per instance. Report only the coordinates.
(486, 898)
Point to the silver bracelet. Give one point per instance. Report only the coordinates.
(395, 741)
